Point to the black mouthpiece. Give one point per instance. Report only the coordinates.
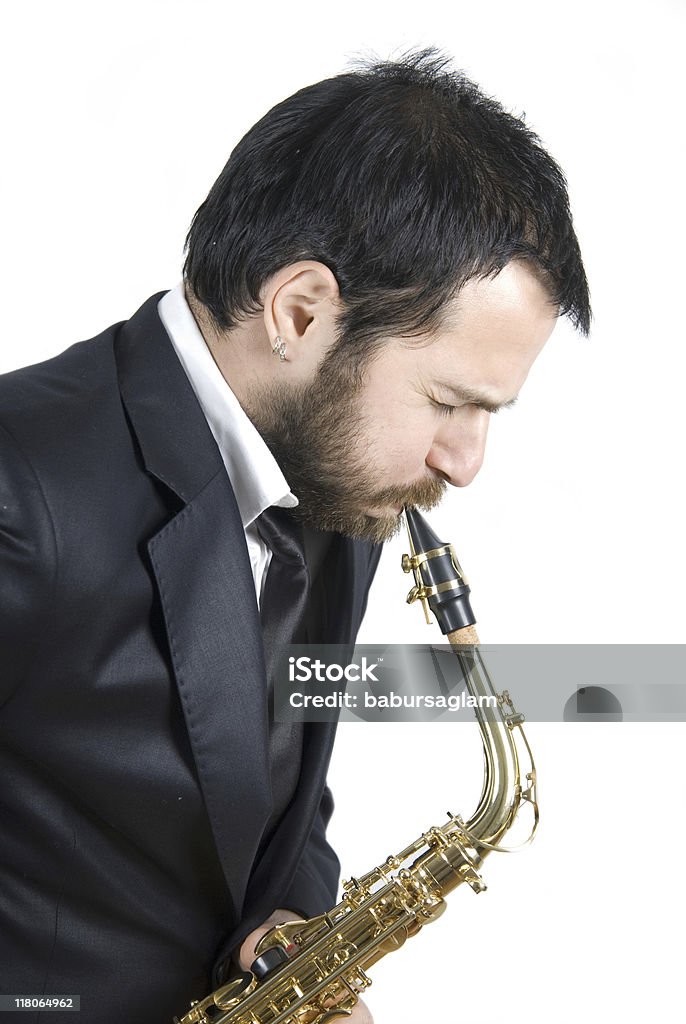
(450, 604)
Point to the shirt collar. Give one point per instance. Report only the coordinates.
(253, 471)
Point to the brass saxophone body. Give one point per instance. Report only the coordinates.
(309, 972)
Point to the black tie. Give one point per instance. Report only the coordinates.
(282, 612)
(286, 589)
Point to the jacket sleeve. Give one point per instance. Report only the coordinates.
(314, 888)
(27, 565)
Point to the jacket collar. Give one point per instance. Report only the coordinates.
(175, 441)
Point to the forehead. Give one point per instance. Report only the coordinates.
(492, 332)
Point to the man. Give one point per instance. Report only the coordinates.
(373, 274)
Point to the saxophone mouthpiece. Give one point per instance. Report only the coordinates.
(440, 583)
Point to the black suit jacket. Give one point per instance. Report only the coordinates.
(134, 728)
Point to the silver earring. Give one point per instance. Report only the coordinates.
(279, 348)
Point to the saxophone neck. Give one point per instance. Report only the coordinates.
(442, 587)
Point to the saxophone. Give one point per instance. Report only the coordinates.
(310, 972)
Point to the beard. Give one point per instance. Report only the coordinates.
(316, 433)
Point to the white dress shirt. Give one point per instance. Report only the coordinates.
(253, 471)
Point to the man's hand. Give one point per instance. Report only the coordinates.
(360, 1013)
(246, 953)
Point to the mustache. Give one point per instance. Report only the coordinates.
(425, 494)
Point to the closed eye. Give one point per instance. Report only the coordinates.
(447, 410)
(468, 396)
(444, 410)
(487, 407)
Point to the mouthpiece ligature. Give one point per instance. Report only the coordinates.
(440, 583)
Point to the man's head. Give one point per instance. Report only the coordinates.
(403, 235)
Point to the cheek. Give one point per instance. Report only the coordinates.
(397, 446)
(397, 425)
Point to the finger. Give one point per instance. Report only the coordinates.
(247, 950)
(361, 1014)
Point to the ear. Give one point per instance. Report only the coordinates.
(300, 303)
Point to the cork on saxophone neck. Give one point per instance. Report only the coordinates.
(463, 637)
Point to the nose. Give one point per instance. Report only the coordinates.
(458, 447)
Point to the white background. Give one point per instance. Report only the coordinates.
(116, 122)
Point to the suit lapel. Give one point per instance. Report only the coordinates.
(203, 574)
(208, 599)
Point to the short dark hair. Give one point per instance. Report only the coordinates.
(406, 181)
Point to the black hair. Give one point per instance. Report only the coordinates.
(406, 181)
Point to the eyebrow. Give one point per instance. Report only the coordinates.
(473, 397)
